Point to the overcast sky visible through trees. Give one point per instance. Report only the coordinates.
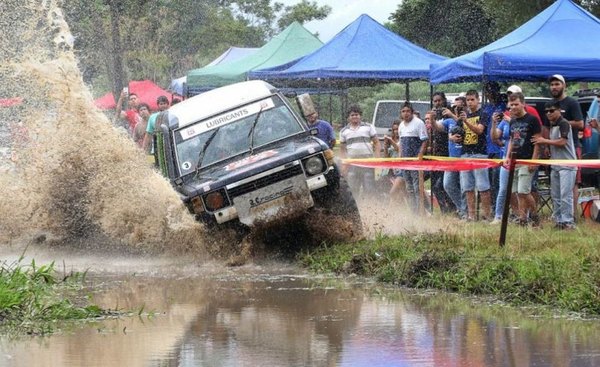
(345, 12)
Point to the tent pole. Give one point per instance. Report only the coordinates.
(431, 142)
(407, 93)
(430, 95)
(330, 109)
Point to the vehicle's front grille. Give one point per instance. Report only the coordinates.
(265, 181)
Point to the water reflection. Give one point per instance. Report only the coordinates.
(292, 320)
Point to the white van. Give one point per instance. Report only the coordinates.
(386, 111)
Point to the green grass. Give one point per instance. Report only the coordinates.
(560, 269)
(33, 298)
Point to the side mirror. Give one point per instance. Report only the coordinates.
(314, 131)
(306, 104)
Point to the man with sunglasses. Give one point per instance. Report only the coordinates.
(562, 178)
(571, 111)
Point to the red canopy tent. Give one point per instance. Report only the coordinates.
(146, 90)
(106, 102)
(8, 102)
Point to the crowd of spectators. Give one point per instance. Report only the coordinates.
(139, 120)
(503, 127)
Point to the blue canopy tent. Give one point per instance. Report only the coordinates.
(364, 52)
(562, 39)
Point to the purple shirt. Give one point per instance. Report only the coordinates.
(325, 131)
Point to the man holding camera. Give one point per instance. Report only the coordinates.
(448, 125)
(496, 105)
(474, 145)
(439, 147)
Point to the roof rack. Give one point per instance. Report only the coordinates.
(587, 92)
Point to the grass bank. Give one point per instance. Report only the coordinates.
(33, 298)
(560, 269)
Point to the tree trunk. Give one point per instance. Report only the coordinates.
(118, 74)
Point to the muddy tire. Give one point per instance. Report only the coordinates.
(336, 200)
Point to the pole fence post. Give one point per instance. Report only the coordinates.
(511, 177)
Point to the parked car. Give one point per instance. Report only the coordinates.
(590, 177)
(386, 111)
(241, 154)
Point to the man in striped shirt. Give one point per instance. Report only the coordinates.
(359, 140)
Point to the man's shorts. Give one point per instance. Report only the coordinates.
(522, 181)
(475, 179)
(578, 176)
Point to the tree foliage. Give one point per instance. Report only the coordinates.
(453, 28)
(445, 27)
(302, 12)
(118, 40)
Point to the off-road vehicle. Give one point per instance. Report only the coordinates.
(241, 153)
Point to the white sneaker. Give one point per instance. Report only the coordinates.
(496, 221)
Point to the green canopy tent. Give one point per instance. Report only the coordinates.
(293, 42)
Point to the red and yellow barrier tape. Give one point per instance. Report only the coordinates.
(433, 163)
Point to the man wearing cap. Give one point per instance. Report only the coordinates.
(324, 129)
(529, 109)
(571, 111)
(524, 129)
(533, 112)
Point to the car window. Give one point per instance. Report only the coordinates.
(269, 120)
(388, 111)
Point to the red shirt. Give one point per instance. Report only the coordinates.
(132, 118)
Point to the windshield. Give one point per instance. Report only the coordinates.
(228, 134)
(388, 111)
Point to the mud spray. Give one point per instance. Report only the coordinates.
(65, 171)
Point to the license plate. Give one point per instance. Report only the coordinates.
(282, 199)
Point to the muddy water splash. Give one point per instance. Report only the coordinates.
(66, 170)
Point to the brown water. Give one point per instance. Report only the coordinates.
(274, 314)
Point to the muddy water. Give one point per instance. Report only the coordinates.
(275, 314)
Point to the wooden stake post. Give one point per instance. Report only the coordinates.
(511, 177)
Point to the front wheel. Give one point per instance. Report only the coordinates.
(337, 202)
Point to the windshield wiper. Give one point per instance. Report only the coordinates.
(203, 151)
(251, 132)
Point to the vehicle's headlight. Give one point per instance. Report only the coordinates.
(215, 200)
(313, 165)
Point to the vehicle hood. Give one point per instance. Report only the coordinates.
(244, 165)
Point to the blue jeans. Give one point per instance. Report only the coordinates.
(562, 182)
(502, 192)
(494, 177)
(412, 188)
(452, 188)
